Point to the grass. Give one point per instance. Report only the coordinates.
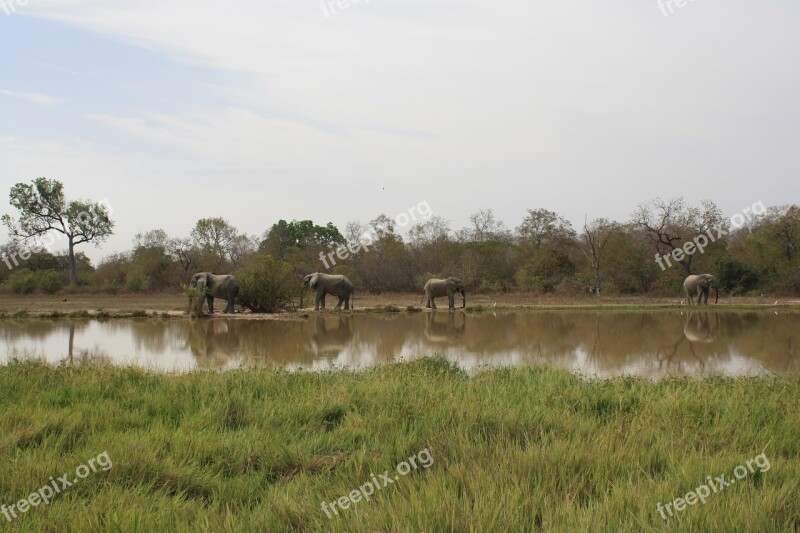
(513, 449)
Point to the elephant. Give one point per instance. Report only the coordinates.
(324, 284)
(216, 286)
(436, 288)
(700, 284)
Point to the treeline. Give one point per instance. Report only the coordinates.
(754, 253)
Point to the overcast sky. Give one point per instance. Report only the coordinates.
(255, 111)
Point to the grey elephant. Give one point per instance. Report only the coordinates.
(216, 286)
(436, 288)
(700, 285)
(324, 284)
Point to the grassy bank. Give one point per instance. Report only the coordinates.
(517, 449)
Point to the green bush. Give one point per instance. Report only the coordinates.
(196, 297)
(49, 281)
(737, 277)
(22, 281)
(138, 283)
(267, 285)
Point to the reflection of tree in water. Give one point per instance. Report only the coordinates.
(445, 327)
(19, 330)
(84, 356)
(769, 337)
(602, 343)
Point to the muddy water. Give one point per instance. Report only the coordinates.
(648, 344)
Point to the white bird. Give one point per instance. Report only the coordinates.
(776, 302)
(494, 304)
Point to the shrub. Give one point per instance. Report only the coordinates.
(267, 285)
(737, 277)
(22, 281)
(49, 281)
(197, 298)
(138, 283)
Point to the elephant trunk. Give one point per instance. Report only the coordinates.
(716, 294)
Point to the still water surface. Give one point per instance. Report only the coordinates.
(647, 344)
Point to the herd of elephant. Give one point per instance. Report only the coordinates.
(226, 287)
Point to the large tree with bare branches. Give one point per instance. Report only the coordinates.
(669, 224)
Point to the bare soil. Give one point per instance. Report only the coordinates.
(175, 304)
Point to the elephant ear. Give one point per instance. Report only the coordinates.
(202, 281)
(313, 281)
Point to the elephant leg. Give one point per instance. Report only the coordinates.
(229, 307)
(689, 299)
(433, 302)
(451, 300)
(339, 304)
(210, 304)
(321, 300)
(347, 303)
(428, 301)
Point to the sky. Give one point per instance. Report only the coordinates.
(255, 111)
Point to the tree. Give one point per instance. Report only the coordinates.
(784, 228)
(183, 251)
(300, 234)
(595, 237)
(485, 227)
(669, 224)
(543, 228)
(43, 209)
(215, 237)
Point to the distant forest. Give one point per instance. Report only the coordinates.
(545, 254)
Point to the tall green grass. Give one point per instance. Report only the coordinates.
(514, 450)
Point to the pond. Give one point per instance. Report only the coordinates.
(649, 344)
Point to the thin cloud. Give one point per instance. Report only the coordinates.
(36, 98)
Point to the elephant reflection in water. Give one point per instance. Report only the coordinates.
(213, 342)
(332, 334)
(698, 329)
(444, 328)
